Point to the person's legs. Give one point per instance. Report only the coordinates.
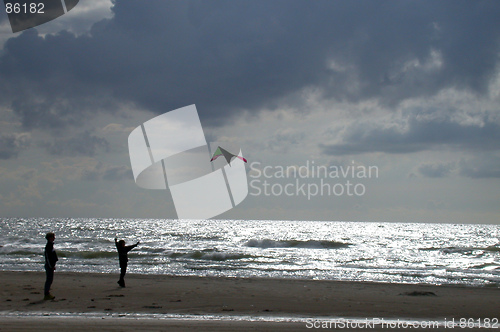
(48, 281)
(123, 270)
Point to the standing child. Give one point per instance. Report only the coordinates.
(123, 257)
(50, 264)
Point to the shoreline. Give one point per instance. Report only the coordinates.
(290, 278)
(171, 298)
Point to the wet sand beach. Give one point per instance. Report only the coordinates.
(159, 302)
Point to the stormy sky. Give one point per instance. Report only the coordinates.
(411, 87)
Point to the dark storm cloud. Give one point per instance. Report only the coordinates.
(39, 80)
(12, 144)
(83, 144)
(420, 134)
(229, 56)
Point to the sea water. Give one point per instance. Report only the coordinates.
(415, 253)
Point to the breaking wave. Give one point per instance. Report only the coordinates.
(462, 250)
(309, 244)
(87, 254)
(210, 255)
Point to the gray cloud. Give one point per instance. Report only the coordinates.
(108, 173)
(12, 144)
(228, 56)
(91, 175)
(284, 140)
(436, 170)
(481, 167)
(83, 144)
(117, 173)
(420, 134)
(3, 15)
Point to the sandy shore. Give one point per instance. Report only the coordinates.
(165, 301)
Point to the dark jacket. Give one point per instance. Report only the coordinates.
(122, 251)
(50, 255)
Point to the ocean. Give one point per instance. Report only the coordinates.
(413, 253)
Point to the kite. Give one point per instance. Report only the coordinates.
(226, 154)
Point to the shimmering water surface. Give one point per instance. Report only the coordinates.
(381, 252)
